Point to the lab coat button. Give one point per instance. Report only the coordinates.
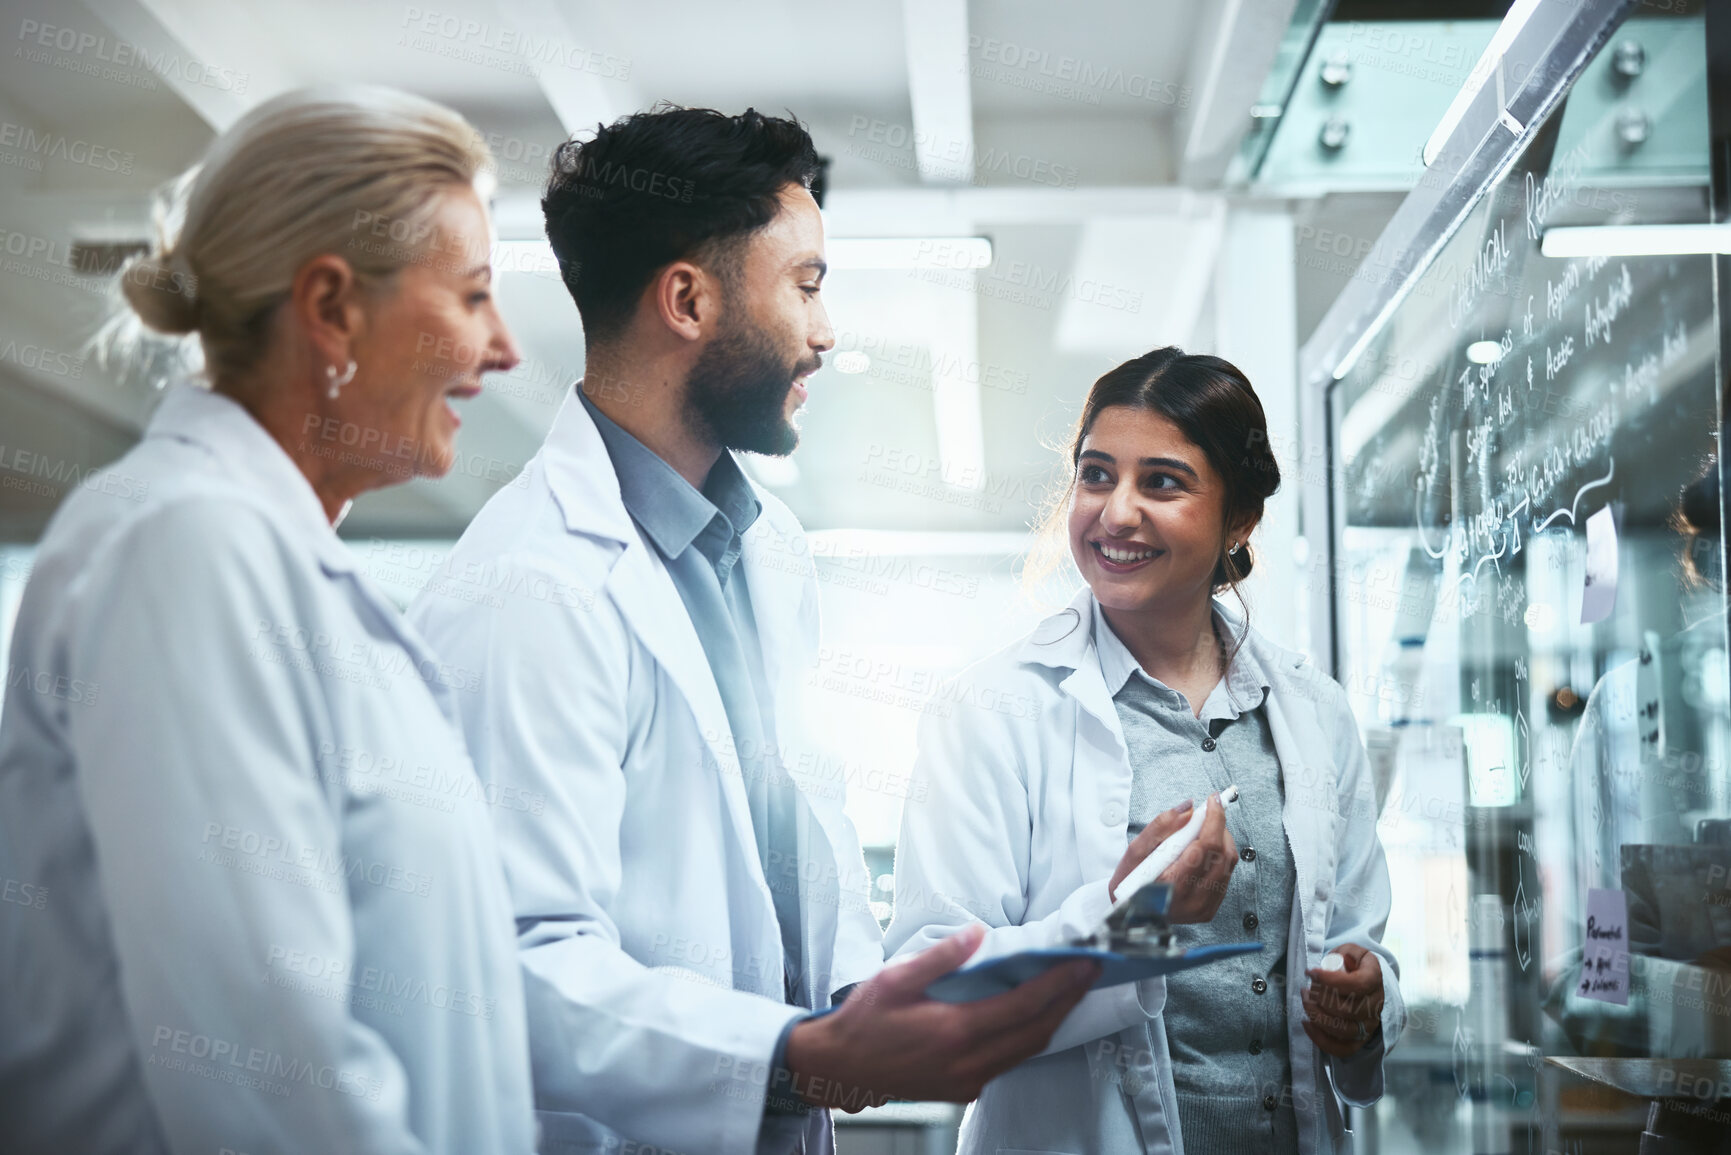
(1208, 743)
(1112, 814)
(1260, 986)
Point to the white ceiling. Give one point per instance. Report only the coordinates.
(1107, 95)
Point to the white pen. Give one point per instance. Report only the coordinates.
(1167, 852)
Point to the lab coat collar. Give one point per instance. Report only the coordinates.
(664, 504)
(1064, 641)
(254, 460)
(580, 473)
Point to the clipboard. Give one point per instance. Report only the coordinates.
(1133, 943)
(996, 976)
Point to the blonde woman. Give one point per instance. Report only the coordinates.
(274, 919)
(1149, 695)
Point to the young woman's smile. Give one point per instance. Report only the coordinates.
(1124, 557)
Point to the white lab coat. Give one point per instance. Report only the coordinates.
(1017, 819)
(652, 955)
(273, 915)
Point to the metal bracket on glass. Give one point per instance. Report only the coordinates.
(1504, 116)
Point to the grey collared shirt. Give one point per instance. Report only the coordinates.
(1225, 1022)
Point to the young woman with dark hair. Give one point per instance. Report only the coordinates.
(1072, 754)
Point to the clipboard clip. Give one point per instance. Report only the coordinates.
(1137, 928)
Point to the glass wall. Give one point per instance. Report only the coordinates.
(1530, 614)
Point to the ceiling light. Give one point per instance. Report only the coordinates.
(535, 255)
(1636, 241)
(917, 543)
(909, 252)
(525, 256)
(1485, 352)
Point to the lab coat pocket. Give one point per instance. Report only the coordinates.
(1335, 1133)
(569, 1133)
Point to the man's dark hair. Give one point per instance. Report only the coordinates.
(661, 186)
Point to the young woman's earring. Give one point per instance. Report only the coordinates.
(337, 383)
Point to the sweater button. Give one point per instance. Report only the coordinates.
(1250, 921)
(1208, 743)
(1248, 854)
(1256, 1046)
(1269, 1102)
(1260, 986)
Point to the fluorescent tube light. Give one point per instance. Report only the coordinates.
(535, 255)
(909, 252)
(917, 543)
(525, 256)
(1490, 63)
(1636, 240)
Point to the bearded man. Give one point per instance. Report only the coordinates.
(639, 620)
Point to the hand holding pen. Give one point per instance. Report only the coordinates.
(1202, 869)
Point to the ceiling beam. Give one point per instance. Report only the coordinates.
(935, 35)
(211, 55)
(1233, 50)
(906, 212)
(580, 98)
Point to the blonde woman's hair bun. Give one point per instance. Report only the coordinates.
(356, 171)
(164, 296)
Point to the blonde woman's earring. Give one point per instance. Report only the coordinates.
(337, 383)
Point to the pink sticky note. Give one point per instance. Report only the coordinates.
(1599, 596)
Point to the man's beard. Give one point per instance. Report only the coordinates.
(738, 388)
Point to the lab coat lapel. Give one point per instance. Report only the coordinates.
(641, 587)
(581, 476)
(1308, 783)
(1100, 785)
(1303, 753)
